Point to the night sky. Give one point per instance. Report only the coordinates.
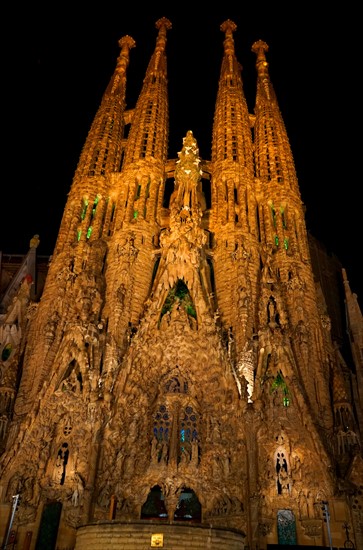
(58, 64)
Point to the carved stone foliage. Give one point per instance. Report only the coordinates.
(312, 528)
(184, 437)
(265, 528)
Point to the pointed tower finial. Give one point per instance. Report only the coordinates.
(162, 25)
(184, 201)
(228, 27)
(259, 48)
(189, 159)
(125, 43)
(102, 150)
(151, 111)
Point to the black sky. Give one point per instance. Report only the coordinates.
(58, 65)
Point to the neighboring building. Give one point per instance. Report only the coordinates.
(188, 376)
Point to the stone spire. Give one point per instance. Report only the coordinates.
(148, 136)
(182, 245)
(232, 142)
(273, 156)
(284, 246)
(137, 195)
(101, 153)
(233, 218)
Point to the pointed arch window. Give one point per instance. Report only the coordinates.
(84, 208)
(188, 507)
(155, 269)
(175, 427)
(273, 214)
(179, 292)
(154, 506)
(95, 203)
(283, 217)
(162, 424)
(280, 387)
(188, 429)
(61, 463)
(113, 208)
